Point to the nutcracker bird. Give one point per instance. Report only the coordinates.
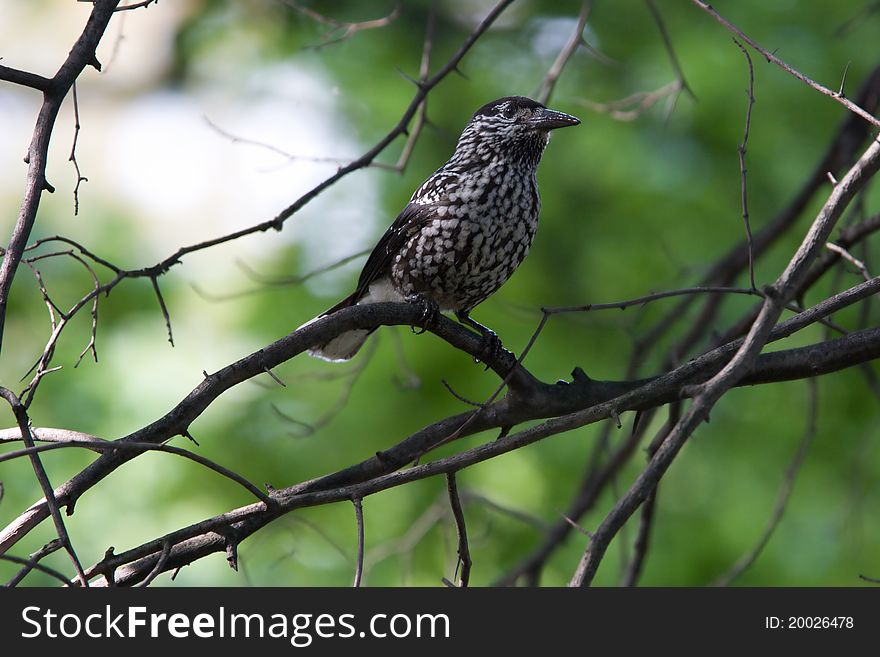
(466, 229)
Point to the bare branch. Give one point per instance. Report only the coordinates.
(670, 50)
(634, 105)
(154, 280)
(770, 57)
(24, 425)
(708, 393)
(62, 438)
(158, 568)
(741, 151)
(29, 565)
(635, 565)
(846, 255)
(76, 128)
(136, 5)
(25, 78)
(342, 30)
(568, 50)
(359, 516)
(81, 55)
(464, 553)
(364, 161)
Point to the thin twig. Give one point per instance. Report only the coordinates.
(741, 151)
(707, 394)
(640, 550)
(43, 478)
(548, 84)
(76, 128)
(421, 117)
(341, 30)
(136, 5)
(155, 281)
(352, 375)
(290, 157)
(633, 106)
(160, 564)
(458, 396)
(363, 161)
(770, 57)
(404, 545)
(470, 497)
(202, 538)
(29, 565)
(636, 565)
(265, 282)
(464, 553)
(850, 258)
(98, 445)
(641, 301)
(670, 50)
(783, 365)
(359, 517)
(81, 55)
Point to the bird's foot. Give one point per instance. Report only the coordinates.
(430, 312)
(490, 347)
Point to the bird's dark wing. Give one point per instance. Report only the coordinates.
(409, 222)
(432, 194)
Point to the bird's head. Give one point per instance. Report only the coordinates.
(514, 127)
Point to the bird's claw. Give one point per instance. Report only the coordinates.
(490, 347)
(430, 311)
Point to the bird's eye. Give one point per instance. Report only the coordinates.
(508, 112)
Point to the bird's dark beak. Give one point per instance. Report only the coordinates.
(548, 119)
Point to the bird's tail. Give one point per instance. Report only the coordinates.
(345, 345)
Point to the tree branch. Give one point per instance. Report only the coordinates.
(81, 55)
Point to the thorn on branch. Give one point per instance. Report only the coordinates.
(232, 553)
(579, 376)
(616, 417)
(186, 434)
(110, 573)
(576, 525)
(272, 374)
(418, 83)
(154, 279)
(840, 90)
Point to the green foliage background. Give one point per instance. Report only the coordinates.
(628, 208)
